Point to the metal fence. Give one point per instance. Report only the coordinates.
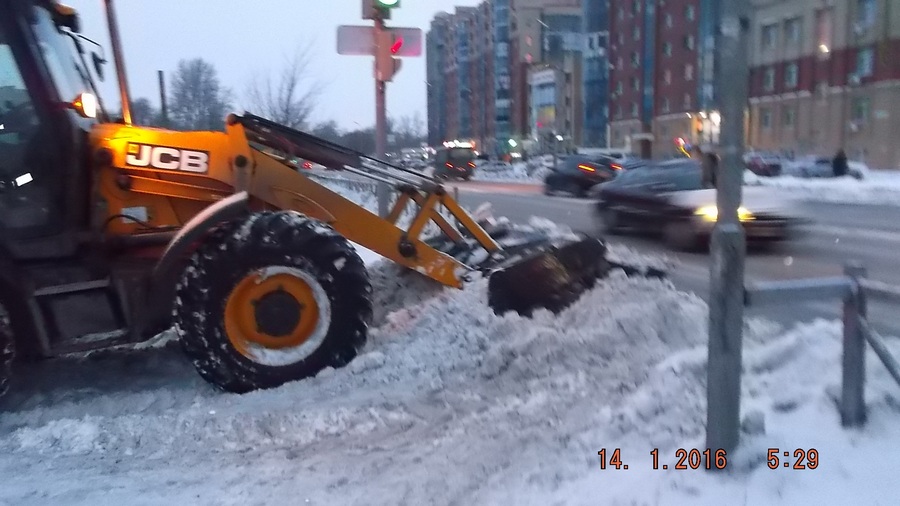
(854, 289)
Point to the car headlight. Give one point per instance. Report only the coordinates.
(711, 213)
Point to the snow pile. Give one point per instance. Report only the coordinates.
(878, 188)
(519, 172)
(450, 404)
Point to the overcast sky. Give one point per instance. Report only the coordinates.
(241, 38)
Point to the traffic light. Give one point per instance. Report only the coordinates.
(387, 4)
(379, 9)
(387, 45)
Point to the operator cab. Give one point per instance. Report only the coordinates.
(47, 105)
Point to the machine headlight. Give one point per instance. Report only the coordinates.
(711, 213)
(86, 105)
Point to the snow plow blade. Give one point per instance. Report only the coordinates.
(551, 278)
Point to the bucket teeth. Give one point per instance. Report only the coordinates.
(552, 278)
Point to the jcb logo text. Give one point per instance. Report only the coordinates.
(166, 158)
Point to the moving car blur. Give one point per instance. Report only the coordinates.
(668, 199)
(809, 167)
(575, 175)
(457, 162)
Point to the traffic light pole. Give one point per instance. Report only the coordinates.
(382, 191)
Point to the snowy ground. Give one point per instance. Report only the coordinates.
(519, 172)
(450, 404)
(880, 187)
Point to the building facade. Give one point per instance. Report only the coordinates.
(595, 72)
(825, 76)
(662, 92)
(436, 62)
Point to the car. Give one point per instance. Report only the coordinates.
(668, 199)
(576, 174)
(454, 163)
(821, 166)
(764, 164)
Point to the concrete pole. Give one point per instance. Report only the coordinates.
(163, 106)
(381, 190)
(728, 247)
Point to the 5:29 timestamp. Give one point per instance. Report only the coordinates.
(810, 457)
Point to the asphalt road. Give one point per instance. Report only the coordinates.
(838, 233)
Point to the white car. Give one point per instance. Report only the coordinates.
(821, 167)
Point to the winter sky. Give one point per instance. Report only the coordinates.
(241, 38)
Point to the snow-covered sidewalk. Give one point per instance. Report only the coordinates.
(879, 188)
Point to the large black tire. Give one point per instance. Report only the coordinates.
(7, 350)
(286, 243)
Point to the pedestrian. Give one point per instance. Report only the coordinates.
(839, 164)
(710, 169)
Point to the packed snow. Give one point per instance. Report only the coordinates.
(878, 188)
(451, 404)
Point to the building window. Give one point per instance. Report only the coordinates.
(865, 13)
(634, 110)
(792, 30)
(636, 32)
(791, 76)
(865, 62)
(636, 7)
(619, 88)
(688, 72)
(635, 59)
(687, 102)
(769, 79)
(635, 84)
(667, 49)
(689, 42)
(823, 29)
(765, 118)
(618, 111)
(769, 36)
(861, 109)
(667, 77)
(689, 12)
(621, 38)
(665, 105)
(788, 117)
(621, 13)
(668, 21)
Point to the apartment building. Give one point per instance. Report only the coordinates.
(595, 72)
(660, 75)
(825, 76)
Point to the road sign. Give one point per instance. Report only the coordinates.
(360, 40)
(356, 40)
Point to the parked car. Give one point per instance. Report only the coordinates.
(764, 164)
(821, 167)
(576, 174)
(454, 163)
(668, 199)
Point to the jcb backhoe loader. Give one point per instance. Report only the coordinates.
(110, 232)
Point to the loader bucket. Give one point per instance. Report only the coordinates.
(551, 278)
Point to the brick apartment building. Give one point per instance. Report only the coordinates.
(825, 75)
(657, 77)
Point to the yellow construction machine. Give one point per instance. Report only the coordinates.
(111, 232)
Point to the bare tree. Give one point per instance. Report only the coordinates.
(328, 130)
(142, 112)
(198, 101)
(409, 131)
(289, 99)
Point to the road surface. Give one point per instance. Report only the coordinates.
(869, 234)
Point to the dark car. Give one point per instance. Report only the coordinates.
(577, 174)
(454, 163)
(764, 164)
(669, 199)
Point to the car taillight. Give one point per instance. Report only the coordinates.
(615, 166)
(449, 165)
(472, 164)
(586, 168)
(307, 165)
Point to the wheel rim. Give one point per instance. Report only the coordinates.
(277, 315)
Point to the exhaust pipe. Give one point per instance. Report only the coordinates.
(119, 61)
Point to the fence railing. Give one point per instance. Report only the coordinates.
(854, 290)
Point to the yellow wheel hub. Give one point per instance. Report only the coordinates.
(276, 308)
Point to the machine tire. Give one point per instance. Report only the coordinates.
(610, 222)
(246, 252)
(680, 237)
(7, 350)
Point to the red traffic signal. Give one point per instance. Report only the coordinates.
(395, 47)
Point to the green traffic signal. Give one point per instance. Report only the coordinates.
(387, 3)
